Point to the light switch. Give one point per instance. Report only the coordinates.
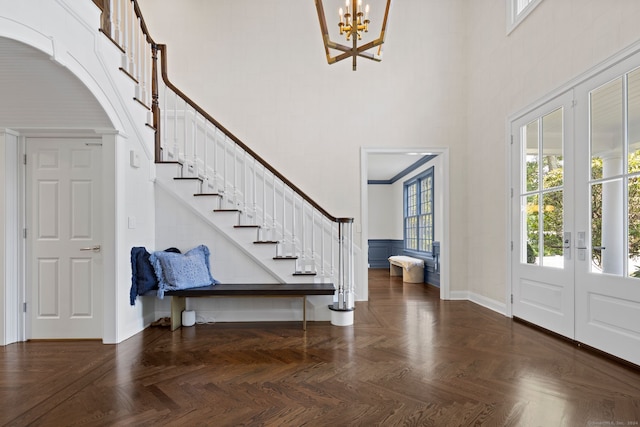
(134, 159)
(132, 222)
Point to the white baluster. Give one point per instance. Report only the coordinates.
(163, 117)
(274, 216)
(255, 200)
(283, 246)
(322, 254)
(264, 204)
(194, 139)
(235, 177)
(116, 12)
(184, 148)
(313, 238)
(125, 34)
(224, 168)
(130, 39)
(333, 245)
(245, 210)
(303, 240)
(175, 128)
(215, 159)
(293, 223)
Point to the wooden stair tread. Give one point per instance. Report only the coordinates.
(168, 162)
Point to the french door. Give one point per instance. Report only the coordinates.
(576, 213)
(542, 216)
(608, 221)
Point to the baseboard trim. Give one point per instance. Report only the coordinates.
(481, 300)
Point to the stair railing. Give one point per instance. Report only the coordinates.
(187, 135)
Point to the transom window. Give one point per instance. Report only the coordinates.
(517, 11)
(418, 213)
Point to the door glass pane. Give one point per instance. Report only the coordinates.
(634, 227)
(607, 128)
(530, 135)
(553, 228)
(596, 227)
(530, 205)
(634, 120)
(607, 220)
(552, 169)
(543, 222)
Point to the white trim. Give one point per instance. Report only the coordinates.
(513, 18)
(481, 300)
(444, 212)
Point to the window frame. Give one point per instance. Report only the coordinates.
(514, 18)
(427, 242)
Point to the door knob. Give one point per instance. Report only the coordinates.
(95, 248)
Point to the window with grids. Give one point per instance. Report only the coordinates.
(418, 213)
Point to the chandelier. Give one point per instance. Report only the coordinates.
(353, 22)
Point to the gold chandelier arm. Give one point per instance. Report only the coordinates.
(323, 28)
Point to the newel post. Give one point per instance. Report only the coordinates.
(155, 108)
(344, 300)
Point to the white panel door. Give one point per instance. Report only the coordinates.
(64, 234)
(542, 217)
(608, 221)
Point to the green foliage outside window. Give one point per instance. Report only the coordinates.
(553, 211)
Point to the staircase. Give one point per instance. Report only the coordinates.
(221, 180)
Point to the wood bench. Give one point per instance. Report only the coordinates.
(293, 290)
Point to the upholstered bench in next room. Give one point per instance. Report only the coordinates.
(411, 269)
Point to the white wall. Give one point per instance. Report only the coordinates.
(385, 219)
(558, 41)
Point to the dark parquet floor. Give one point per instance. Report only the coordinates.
(409, 360)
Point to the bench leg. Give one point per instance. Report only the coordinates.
(178, 305)
(395, 270)
(304, 313)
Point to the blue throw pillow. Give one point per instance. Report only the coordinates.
(182, 271)
(143, 276)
